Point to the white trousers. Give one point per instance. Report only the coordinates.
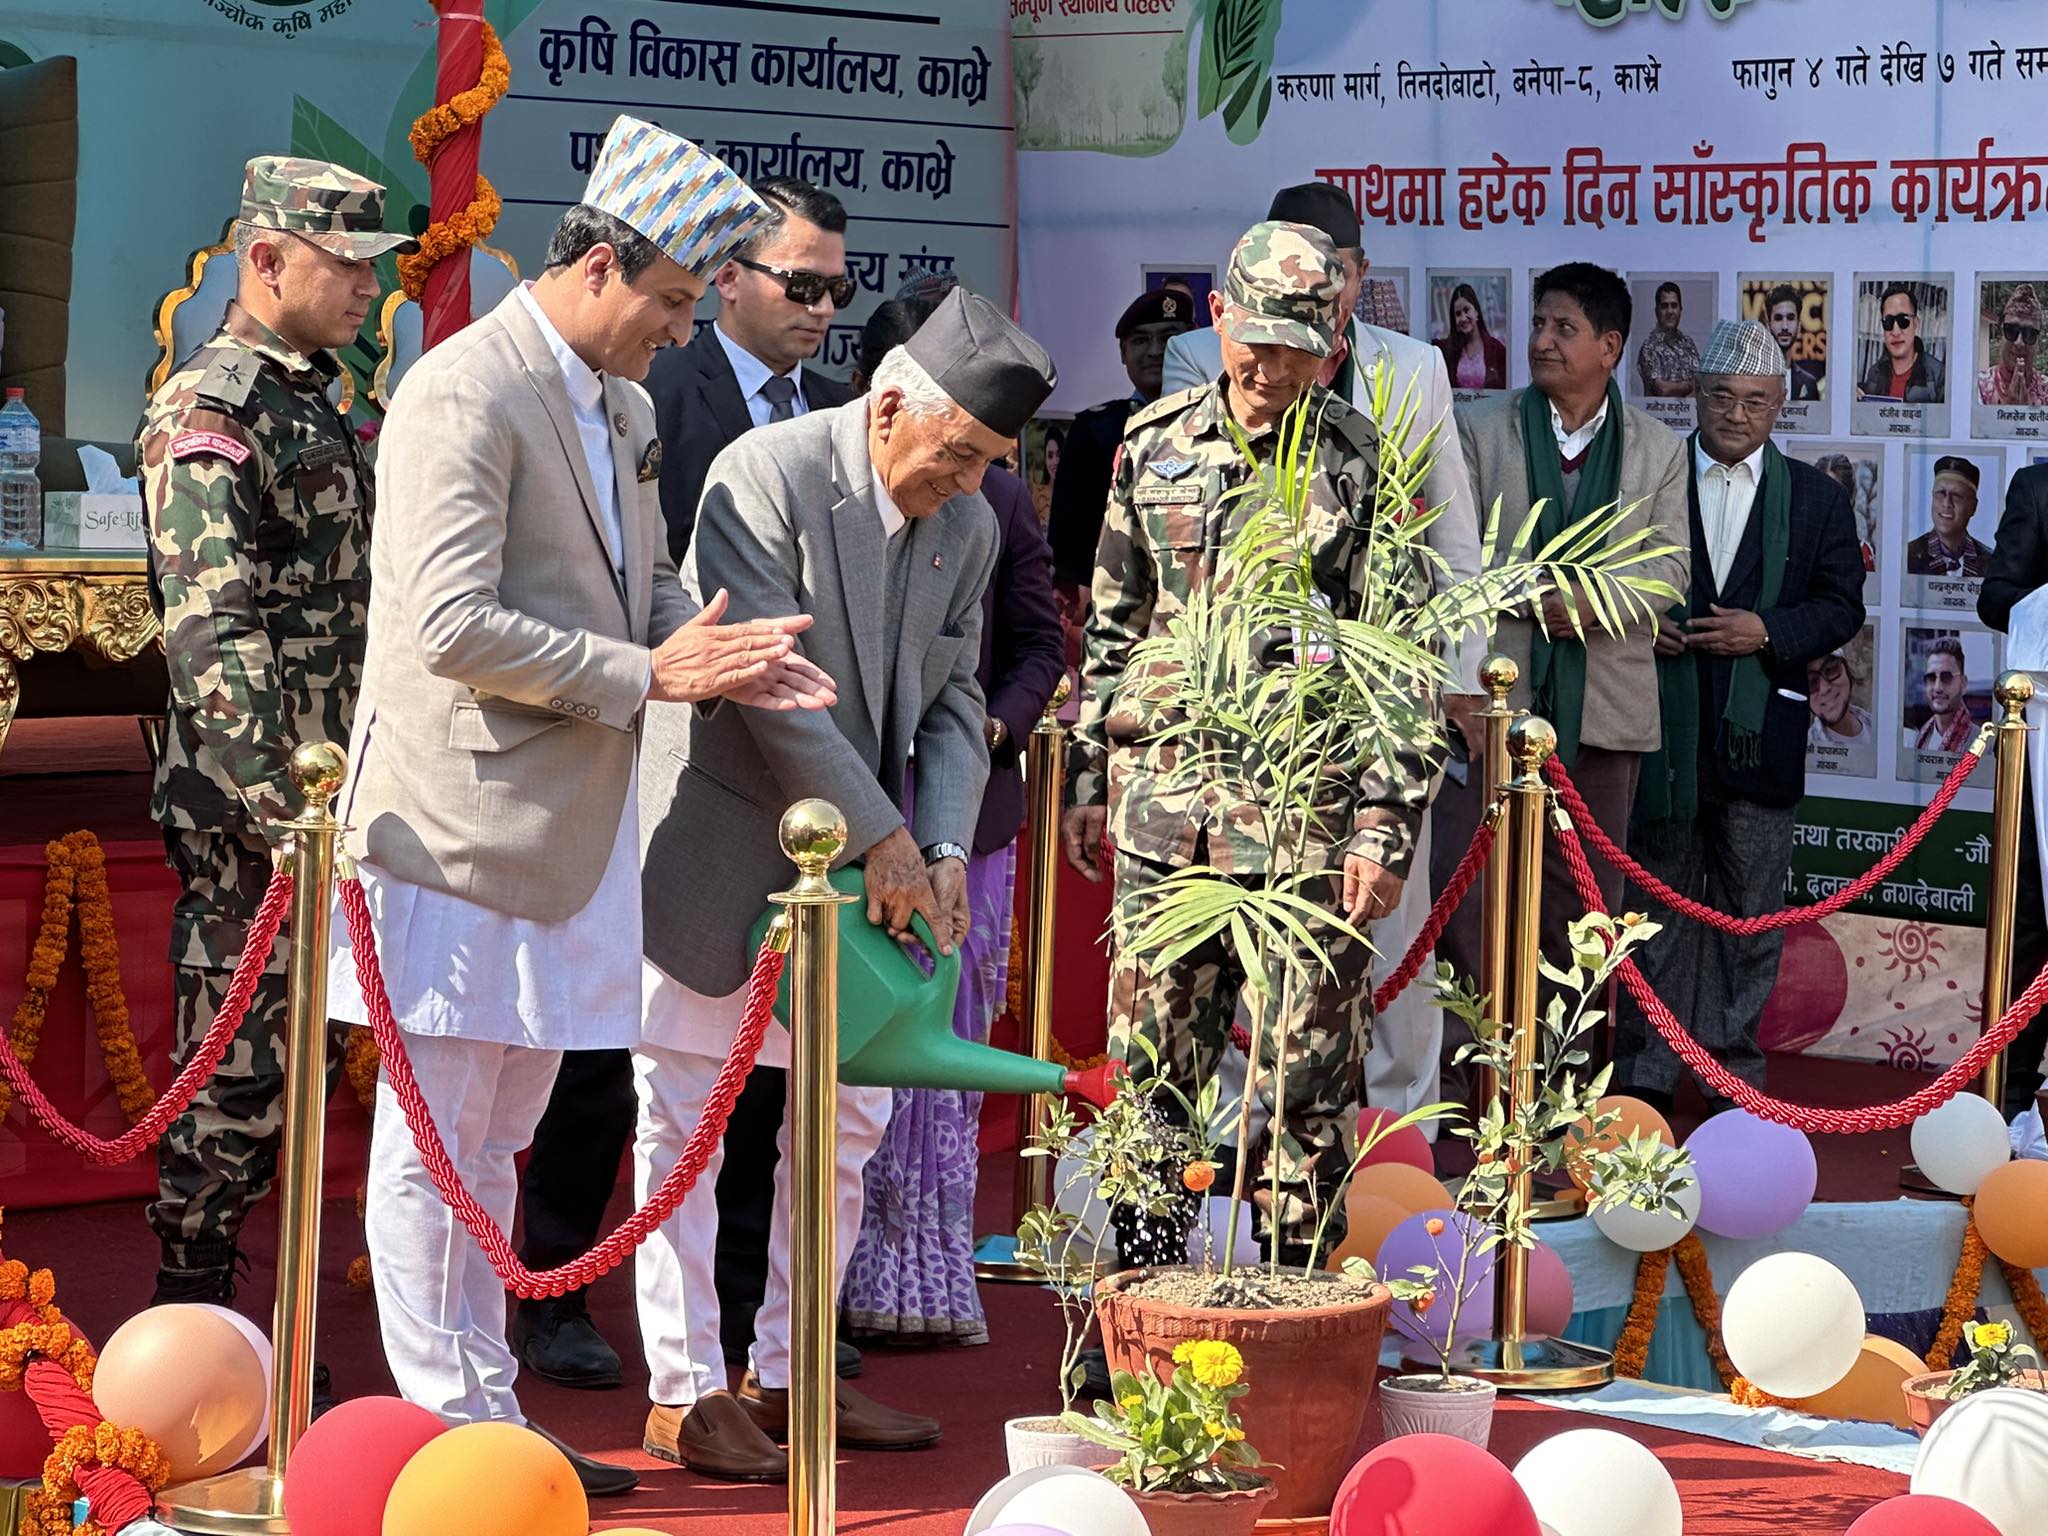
(672, 1272)
(440, 1306)
(1403, 1069)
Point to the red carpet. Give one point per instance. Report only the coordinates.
(103, 1258)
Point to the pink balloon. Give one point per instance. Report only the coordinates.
(1550, 1292)
(1921, 1514)
(1409, 1247)
(1431, 1485)
(1407, 1145)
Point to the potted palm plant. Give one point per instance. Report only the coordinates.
(1997, 1359)
(1280, 725)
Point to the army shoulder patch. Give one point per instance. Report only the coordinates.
(190, 445)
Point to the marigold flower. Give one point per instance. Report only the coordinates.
(1214, 1363)
(1993, 1335)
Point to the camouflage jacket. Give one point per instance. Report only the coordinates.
(1168, 521)
(259, 503)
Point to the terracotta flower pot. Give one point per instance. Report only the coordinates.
(1423, 1405)
(1925, 1402)
(1205, 1514)
(1311, 1374)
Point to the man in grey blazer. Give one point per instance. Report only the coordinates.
(522, 612)
(868, 516)
(1569, 441)
(1407, 1037)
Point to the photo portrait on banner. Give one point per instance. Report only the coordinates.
(1841, 737)
(1904, 333)
(1945, 689)
(1044, 438)
(1858, 468)
(1795, 307)
(1674, 316)
(1471, 324)
(1951, 498)
(1383, 300)
(2011, 394)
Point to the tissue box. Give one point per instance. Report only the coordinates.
(94, 520)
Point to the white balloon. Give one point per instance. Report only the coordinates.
(1065, 1498)
(1216, 1222)
(1793, 1324)
(1959, 1144)
(1593, 1482)
(260, 1342)
(1648, 1231)
(1990, 1451)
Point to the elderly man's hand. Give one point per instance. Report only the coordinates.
(1726, 632)
(1557, 616)
(1081, 832)
(1371, 891)
(949, 889)
(898, 885)
(1670, 639)
(754, 662)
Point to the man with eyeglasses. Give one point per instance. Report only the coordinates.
(1947, 548)
(1777, 583)
(776, 300)
(1840, 735)
(248, 470)
(2015, 379)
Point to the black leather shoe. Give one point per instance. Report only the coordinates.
(323, 1389)
(600, 1479)
(556, 1340)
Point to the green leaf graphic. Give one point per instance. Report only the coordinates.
(1235, 72)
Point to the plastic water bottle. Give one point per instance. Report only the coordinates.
(21, 493)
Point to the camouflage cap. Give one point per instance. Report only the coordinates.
(328, 204)
(1283, 287)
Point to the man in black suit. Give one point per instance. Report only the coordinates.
(776, 297)
(2018, 566)
(1777, 580)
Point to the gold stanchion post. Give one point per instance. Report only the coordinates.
(1515, 1358)
(1497, 674)
(252, 1499)
(2013, 691)
(1045, 777)
(813, 834)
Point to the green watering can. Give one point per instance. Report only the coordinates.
(896, 1023)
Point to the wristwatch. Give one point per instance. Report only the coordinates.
(933, 852)
(997, 733)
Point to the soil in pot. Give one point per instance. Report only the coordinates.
(1433, 1404)
(1311, 1349)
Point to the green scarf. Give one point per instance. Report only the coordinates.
(1669, 789)
(1557, 668)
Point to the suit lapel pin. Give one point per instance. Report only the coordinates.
(938, 562)
(619, 421)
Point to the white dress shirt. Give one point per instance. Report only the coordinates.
(586, 399)
(892, 520)
(752, 373)
(1727, 492)
(1572, 444)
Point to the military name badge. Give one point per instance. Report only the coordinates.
(192, 445)
(320, 455)
(1150, 493)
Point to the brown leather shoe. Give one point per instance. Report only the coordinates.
(716, 1438)
(864, 1424)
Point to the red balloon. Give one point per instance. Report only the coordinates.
(341, 1472)
(1921, 1514)
(1431, 1485)
(1407, 1145)
(24, 1442)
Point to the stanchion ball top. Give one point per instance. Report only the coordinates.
(317, 770)
(2013, 689)
(1061, 692)
(1498, 674)
(813, 833)
(1531, 739)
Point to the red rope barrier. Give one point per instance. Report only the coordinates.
(146, 1132)
(1788, 917)
(614, 1248)
(1839, 1122)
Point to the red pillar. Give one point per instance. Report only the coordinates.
(460, 61)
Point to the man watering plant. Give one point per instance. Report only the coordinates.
(1240, 814)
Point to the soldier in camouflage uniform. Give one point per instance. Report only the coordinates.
(259, 504)
(1170, 516)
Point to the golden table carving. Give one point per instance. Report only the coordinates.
(54, 600)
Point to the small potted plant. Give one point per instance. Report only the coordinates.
(1997, 1359)
(1181, 1451)
(1542, 1136)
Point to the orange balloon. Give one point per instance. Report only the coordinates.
(1870, 1391)
(2012, 1213)
(1636, 1116)
(1407, 1186)
(186, 1377)
(1369, 1219)
(487, 1480)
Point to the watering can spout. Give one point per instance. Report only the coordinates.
(1097, 1084)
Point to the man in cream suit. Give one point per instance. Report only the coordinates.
(1401, 1069)
(869, 516)
(522, 613)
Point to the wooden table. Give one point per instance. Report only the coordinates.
(55, 600)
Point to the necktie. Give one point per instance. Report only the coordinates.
(780, 393)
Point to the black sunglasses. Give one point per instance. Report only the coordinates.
(2027, 333)
(806, 288)
(1891, 322)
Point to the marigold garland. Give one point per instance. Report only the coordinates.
(435, 127)
(45, 959)
(2026, 1295)
(1632, 1345)
(1750, 1395)
(1698, 1274)
(91, 1445)
(359, 1060)
(1961, 1303)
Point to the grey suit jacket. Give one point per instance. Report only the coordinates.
(788, 524)
(1196, 357)
(507, 662)
(1621, 671)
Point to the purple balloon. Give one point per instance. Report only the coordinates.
(1756, 1177)
(1409, 1246)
